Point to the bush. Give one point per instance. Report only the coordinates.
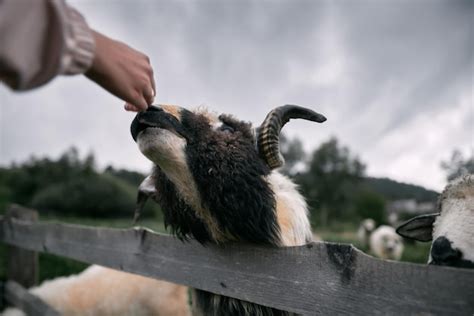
(97, 195)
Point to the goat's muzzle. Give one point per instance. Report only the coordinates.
(155, 117)
(268, 138)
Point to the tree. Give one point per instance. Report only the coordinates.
(330, 181)
(458, 165)
(293, 152)
(70, 186)
(369, 204)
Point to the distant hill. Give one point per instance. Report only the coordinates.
(393, 190)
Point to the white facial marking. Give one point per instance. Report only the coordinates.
(456, 219)
(456, 223)
(167, 150)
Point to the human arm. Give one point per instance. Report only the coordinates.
(42, 39)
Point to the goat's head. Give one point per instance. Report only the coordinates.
(216, 167)
(452, 229)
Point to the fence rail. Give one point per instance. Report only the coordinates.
(18, 296)
(318, 278)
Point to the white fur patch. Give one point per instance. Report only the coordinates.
(296, 230)
(102, 291)
(456, 219)
(167, 150)
(385, 243)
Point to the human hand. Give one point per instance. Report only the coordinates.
(123, 71)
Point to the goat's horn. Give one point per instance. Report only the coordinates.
(268, 137)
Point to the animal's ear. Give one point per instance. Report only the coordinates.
(418, 228)
(145, 190)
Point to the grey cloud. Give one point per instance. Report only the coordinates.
(372, 67)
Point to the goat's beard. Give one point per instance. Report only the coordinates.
(164, 148)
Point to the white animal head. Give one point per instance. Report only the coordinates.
(386, 244)
(452, 229)
(214, 175)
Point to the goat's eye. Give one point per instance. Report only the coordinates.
(226, 128)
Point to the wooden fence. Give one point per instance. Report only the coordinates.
(318, 278)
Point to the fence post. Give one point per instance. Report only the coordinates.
(3, 302)
(22, 265)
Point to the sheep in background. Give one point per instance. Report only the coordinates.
(366, 227)
(385, 243)
(216, 182)
(452, 229)
(101, 291)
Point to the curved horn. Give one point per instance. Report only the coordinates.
(268, 138)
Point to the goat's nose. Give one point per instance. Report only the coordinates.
(442, 253)
(151, 108)
(154, 108)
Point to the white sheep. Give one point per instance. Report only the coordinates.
(366, 227)
(103, 291)
(452, 229)
(385, 243)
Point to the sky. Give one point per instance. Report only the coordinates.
(395, 79)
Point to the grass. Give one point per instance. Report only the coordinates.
(52, 266)
(415, 252)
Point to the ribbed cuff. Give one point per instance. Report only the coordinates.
(79, 44)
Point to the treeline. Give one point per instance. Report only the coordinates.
(71, 186)
(334, 182)
(332, 179)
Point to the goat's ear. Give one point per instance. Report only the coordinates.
(145, 190)
(418, 228)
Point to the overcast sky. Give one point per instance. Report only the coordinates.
(394, 78)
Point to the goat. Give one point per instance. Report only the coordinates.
(451, 229)
(215, 179)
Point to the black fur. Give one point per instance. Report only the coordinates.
(178, 215)
(231, 307)
(229, 176)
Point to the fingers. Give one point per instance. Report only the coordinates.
(138, 103)
(153, 86)
(131, 108)
(149, 95)
(124, 72)
(150, 90)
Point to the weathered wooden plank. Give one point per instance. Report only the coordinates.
(22, 265)
(18, 296)
(319, 278)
